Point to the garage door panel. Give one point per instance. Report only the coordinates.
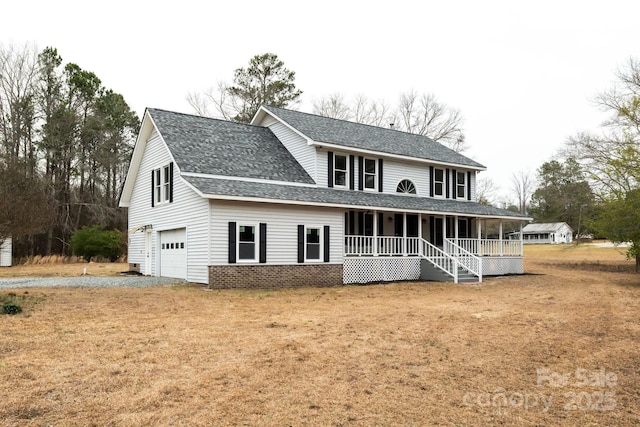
(173, 253)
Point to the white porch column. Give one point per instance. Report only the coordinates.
(444, 228)
(404, 233)
(375, 233)
(501, 243)
(455, 231)
(521, 240)
(479, 225)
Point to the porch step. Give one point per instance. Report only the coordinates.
(431, 273)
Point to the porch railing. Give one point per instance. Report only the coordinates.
(491, 247)
(467, 260)
(440, 259)
(382, 245)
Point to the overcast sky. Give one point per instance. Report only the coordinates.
(522, 73)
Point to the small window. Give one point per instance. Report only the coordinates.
(461, 185)
(247, 242)
(313, 244)
(165, 183)
(181, 245)
(162, 185)
(163, 246)
(438, 182)
(405, 186)
(158, 186)
(370, 174)
(341, 170)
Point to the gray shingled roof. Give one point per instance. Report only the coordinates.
(330, 196)
(356, 135)
(549, 227)
(219, 147)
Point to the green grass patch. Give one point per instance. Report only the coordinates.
(13, 303)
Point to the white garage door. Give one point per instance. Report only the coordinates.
(173, 253)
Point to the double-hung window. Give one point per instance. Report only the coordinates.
(313, 243)
(162, 180)
(438, 182)
(158, 186)
(461, 185)
(370, 174)
(247, 243)
(340, 170)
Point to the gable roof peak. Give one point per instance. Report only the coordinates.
(359, 136)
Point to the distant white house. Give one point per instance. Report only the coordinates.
(545, 233)
(5, 253)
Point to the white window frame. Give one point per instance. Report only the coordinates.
(461, 187)
(374, 174)
(442, 183)
(346, 171)
(166, 182)
(157, 191)
(162, 185)
(256, 242)
(320, 246)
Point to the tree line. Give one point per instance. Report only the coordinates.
(65, 145)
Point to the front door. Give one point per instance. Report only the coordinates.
(437, 231)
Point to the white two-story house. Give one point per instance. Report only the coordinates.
(296, 199)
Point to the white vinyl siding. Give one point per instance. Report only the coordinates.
(282, 228)
(395, 171)
(5, 252)
(189, 211)
(305, 154)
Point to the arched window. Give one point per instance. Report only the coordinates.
(405, 186)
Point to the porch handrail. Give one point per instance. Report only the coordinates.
(491, 247)
(439, 259)
(468, 261)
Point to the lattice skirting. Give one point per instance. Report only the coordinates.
(380, 269)
(498, 266)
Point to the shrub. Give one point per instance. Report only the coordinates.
(93, 241)
(11, 308)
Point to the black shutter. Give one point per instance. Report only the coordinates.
(454, 173)
(301, 243)
(352, 168)
(153, 189)
(380, 175)
(171, 182)
(469, 185)
(352, 223)
(327, 243)
(360, 223)
(263, 243)
(447, 182)
(330, 171)
(360, 173)
(431, 181)
(380, 224)
(232, 243)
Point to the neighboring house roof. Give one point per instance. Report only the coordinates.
(219, 147)
(267, 192)
(549, 227)
(365, 137)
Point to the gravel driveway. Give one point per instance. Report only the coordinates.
(87, 282)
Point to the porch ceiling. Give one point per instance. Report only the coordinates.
(232, 189)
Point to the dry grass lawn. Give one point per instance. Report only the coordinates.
(557, 346)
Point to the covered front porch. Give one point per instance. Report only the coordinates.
(384, 246)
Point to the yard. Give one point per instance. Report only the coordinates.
(557, 346)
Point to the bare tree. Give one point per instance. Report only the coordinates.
(486, 190)
(333, 106)
(425, 115)
(611, 157)
(522, 187)
(416, 113)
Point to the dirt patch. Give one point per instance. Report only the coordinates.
(556, 347)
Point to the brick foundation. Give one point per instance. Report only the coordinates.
(274, 276)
